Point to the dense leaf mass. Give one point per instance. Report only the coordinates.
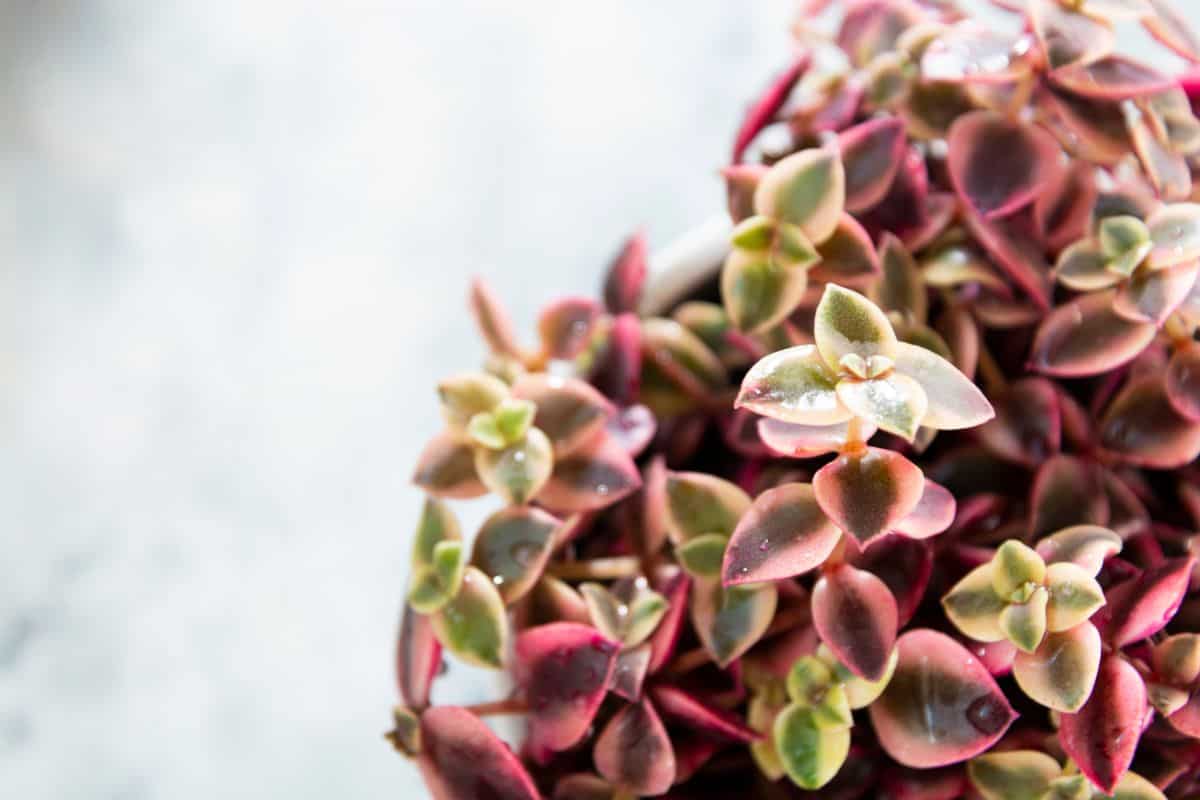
(897, 497)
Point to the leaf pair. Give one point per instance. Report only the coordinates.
(859, 370)
(1033, 775)
(797, 203)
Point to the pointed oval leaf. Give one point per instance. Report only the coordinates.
(804, 441)
(758, 291)
(701, 717)
(761, 712)
(1074, 596)
(1013, 775)
(1176, 659)
(463, 396)
(848, 256)
(793, 385)
(1028, 424)
(970, 52)
(1183, 382)
(871, 153)
(1087, 546)
(1171, 28)
(600, 474)
(1153, 296)
(1084, 267)
(896, 403)
(461, 757)
(518, 472)
(974, 607)
(418, 659)
(1063, 212)
(628, 614)
(553, 600)
(902, 288)
(954, 401)
(847, 323)
(698, 504)
(513, 546)
(768, 105)
(999, 166)
(565, 668)
(867, 493)
(1068, 36)
(783, 534)
(434, 585)
(437, 524)
(493, 321)
(474, 625)
(1142, 606)
(629, 673)
(634, 752)
(855, 614)
(807, 189)
(1015, 252)
(566, 326)
(941, 706)
(729, 621)
(1024, 624)
(1102, 737)
(1014, 566)
(674, 588)
(1141, 427)
(626, 275)
(569, 411)
(702, 555)
(1087, 337)
(446, 468)
(1060, 674)
(1111, 78)
(904, 564)
(811, 755)
(1066, 491)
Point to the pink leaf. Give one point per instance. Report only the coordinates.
(871, 154)
(493, 320)
(1103, 736)
(1142, 427)
(1111, 78)
(674, 588)
(904, 564)
(461, 758)
(1086, 337)
(569, 411)
(594, 477)
(618, 371)
(1066, 491)
(715, 722)
(855, 614)
(1016, 252)
(418, 658)
(633, 428)
(766, 107)
(1142, 606)
(998, 166)
(627, 276)
(784, 533)
(1172, 29)
(446, 468)
(941, 706)
(803, 441)
(629, 673)
(634, 752)
(565, 668)
(933, 514)
(1183, 382)
(848, 256)
(868, 493)
(565, 326)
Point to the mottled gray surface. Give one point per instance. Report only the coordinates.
(235, 238)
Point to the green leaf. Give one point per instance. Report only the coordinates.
(753, 233)
(807, 189)
(464, 396)
(759, 289)
(513, 546)
(793, 385)
(729, 621)
(437, 524)
(974, 607)
(1122, 234)
(811, 755)
(764, 706)
(1060, 674)
(860, 692)
(698, 504)
(1084, 267)
(809, 676)
(847, 323)
(895, 403)
(902, 288)
(702, 556)
(1012, 775)
(1024, 624)
(405, 736)
(1074, 596)
(1175, 231)
(517, 472)
(484, 431)
(629, 618)
(474, 625)
(1015, 565)
(513, 418)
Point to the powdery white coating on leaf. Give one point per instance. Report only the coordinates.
(941, 707)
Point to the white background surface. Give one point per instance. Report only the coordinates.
(235, 238)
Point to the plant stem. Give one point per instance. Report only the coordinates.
(596, 569)
(511, 705)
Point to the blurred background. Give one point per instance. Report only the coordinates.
(235, 242)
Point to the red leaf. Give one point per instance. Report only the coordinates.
(418, 658)
(1086, 337)
(594, 477)
(1103, 736)
(871, 154)
(662, 642)
(565, 668)
(1028, 425)
(767, 106)
(701, 717)
(1000, 166)
(634, 752)
(855, 614)
(867, 493)
(1142, 606)
(1142, 427)
(1066, 491)
(784, 533)
(933, 514)
(462, 758)
(627, 276)
(904, 564)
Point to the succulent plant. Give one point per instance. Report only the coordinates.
(896, 499)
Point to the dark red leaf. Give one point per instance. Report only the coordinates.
(904, 564)
(701, 717)
(999, 166)
(855, 614)
(462, 758)
(627, 276)
(867, 493)
(871, 154)
(634, 752)
(418, 658)
(1103, 736)
(1143, 605)
(674, 587)
(766, 107)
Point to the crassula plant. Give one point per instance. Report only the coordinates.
(896, 498)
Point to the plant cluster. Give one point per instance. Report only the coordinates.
(899, 501)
